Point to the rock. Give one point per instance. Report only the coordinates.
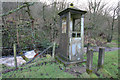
(30, 54)
(9, 61)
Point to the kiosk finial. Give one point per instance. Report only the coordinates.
(71, 5)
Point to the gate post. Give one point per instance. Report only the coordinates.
(89, 61)
(101, 58)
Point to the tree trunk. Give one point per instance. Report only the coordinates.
(32, 25)
(109, 38)
(17, 36)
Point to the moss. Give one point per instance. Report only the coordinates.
(48, 56)
(0, 78)
(105, 73)
(91, 49)
(88, 71)
(60, 61)
(85, 75)
(92, 75)
(100, 66)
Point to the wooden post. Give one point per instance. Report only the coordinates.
(14, 47)
(70, 30)
(53, 52)
(82, 37)
(101, 58)
(88, 47)
(89, 61)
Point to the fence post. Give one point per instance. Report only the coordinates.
(53, 51)
(89, 61)
(88, 47)
(14, 48)
(101, 58)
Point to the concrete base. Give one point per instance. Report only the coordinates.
(69, 62)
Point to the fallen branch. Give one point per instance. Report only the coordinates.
(20, 7)
(39, 54)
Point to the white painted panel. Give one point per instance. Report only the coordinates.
(73, 49)
(76, 48)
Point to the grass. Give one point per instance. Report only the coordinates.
(110, 67)
(110, 63)
(113, 43)
(86, 75)
(50, 70)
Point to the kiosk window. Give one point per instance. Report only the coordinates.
(63, 25)
(76, 32)
(73, 35)
(76, 25)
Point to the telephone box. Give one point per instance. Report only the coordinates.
(71, 45)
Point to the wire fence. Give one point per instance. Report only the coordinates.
(27, 41)
(39, 62)
(35, 59)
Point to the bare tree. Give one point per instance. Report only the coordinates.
(95, 16)
(118, 13)
(110, 20)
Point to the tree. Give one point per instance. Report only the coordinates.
(118, 13)
(110, 20)
(95, 17)
(100, 20)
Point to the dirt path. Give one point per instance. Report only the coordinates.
(96, 49)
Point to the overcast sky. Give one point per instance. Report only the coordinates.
(74, 1)
(79, 3)
(83, 3)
